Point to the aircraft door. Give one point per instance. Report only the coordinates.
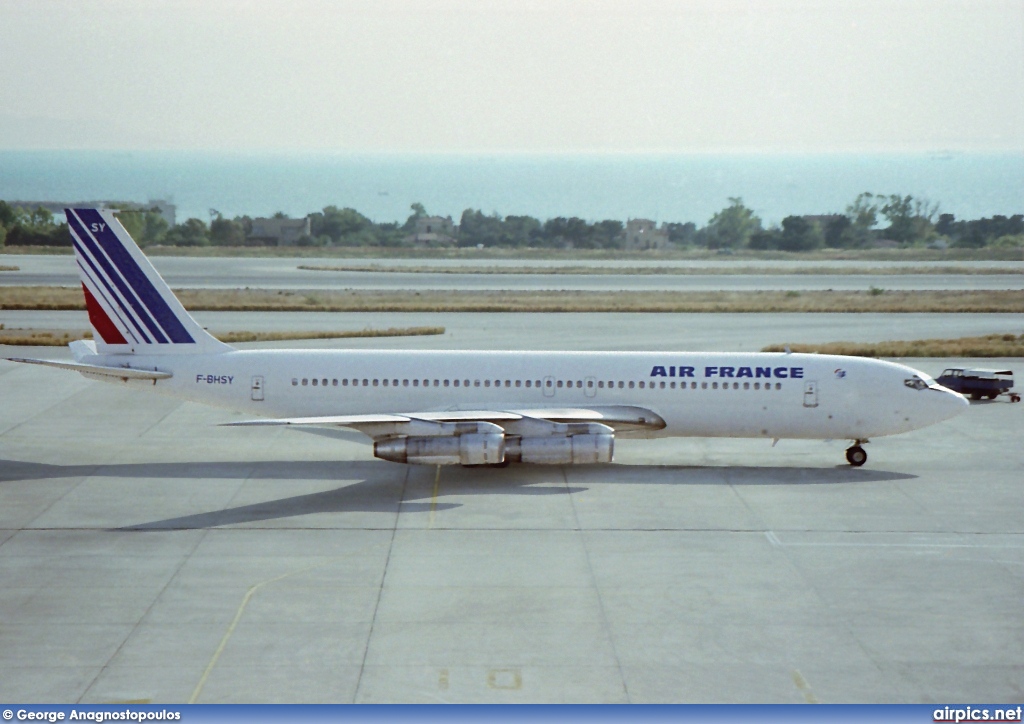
(810, 393)
(590, 386)
(257, 388)
(549, 386)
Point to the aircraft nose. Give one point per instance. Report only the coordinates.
(951, 403)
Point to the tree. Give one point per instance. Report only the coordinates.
(192, 233)
(227, 232)
(765, 240)
(799, 234)
(340, 225)
(839, 233)
(418, 212)
(732, 227)
(910, 219)
(7, 215)
(863, 215)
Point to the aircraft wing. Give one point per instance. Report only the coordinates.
(541, 420)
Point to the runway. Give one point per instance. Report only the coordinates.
(147, 554)
(581, 330)
(272, 273)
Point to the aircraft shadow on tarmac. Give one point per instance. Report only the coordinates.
(378, 487)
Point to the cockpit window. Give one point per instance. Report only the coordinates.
(916, 383)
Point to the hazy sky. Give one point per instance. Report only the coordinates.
(513, 75)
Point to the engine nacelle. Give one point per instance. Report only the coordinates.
(467, 449)
(555, 450)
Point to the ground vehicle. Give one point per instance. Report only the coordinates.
(979, 383)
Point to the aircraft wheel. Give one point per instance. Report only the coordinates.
(856, 456)
(502, 464)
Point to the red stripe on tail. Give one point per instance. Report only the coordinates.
(101, 322)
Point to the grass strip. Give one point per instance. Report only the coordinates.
(61, 338)
(437, 301)
(8, 267)
(989, 345)
(723, 270)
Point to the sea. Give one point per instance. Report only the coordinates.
(661, 187)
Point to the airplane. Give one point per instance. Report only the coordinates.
(475, 408)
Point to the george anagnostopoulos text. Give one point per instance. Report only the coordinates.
(126, 715)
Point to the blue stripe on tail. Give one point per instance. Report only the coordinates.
(126, 292)
(133, 274)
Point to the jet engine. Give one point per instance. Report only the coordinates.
(574, 450)
(466, 449)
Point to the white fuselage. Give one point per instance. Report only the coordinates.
(697, 394)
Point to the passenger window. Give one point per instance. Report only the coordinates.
(305, 381)
(295, 381)
(600, 385)
(456, 383)
(559, 383)
(757, 385)
(632, 384)
(315, 380)
(703, 385)
(476, 383)
(376, 382)
(579, 384)
(590, 384)
(641, 385)
(446, 383)
(366, 382)
(662, 385)
(714, 385)
(672, 385)
(405, 383)
(508, 383)
(735, 385)
(385, 383)
(746, 385)
(536, 383)
(334, 383)
(519, 382)
(324, 383)
(527, 383)
(415, 383)
(778, 385)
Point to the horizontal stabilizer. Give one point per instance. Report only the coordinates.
(122, 373)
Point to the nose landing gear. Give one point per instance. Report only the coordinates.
(856, 455)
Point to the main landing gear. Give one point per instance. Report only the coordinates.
(856, 455)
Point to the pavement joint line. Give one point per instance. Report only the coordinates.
(380, 591)
(804, 687)
(597, 588)
(238, 617)
(433, 497)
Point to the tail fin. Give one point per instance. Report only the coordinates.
(131, 308)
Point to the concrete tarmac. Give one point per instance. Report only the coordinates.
(148, 555)
(283, 273)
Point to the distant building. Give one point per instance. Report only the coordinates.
(433, 231)
(282, 232)
(644, 234)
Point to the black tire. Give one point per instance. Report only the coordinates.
(856, 456)
(1014, 398)
(993, 395)
(975, 396)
